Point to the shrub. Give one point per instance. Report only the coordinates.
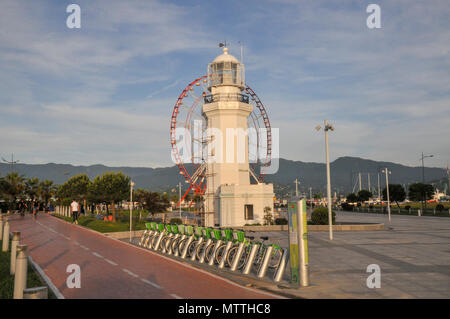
(407, 207)
(439, 207)
(347, 207)
(177, 221)
(320, 216)
(281, 221)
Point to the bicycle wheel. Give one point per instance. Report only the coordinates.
(181, 244)
(154, 241)
(199, 249)
(275, 258)
(230, 257)
(191, 248)
(209, 252)
(174, 244)
(219, 253)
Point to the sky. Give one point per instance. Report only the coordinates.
(104, 93)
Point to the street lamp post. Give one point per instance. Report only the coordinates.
(387, 172)
(131, 205)
(326, 128)
(296, 187)
(179, 205)
(423, 181)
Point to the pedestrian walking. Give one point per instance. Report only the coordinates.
(22, 207)
(35, 208)
(74, 208)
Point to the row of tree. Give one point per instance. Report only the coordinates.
(110, 188)
(416, 192)
(15, 187)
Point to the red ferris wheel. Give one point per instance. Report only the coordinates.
(189, 152)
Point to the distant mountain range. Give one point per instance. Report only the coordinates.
(344, 174)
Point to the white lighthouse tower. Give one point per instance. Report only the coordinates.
(231, 199)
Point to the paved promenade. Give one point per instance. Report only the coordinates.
(114, 269)
(413, 254)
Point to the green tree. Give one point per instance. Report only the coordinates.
(352, 198)
(14, 187)
(318, 196)
(156, 203)
(111, 187)
(46, 191)
(364, 195)
(139, 196)
(419, 191)
(78, 187)
(396, 194)
(32, 188)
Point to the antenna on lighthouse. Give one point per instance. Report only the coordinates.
(242, 52)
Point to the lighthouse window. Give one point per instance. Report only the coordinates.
(248, 212)
(234, 72)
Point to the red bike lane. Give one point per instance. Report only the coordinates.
(114, 269)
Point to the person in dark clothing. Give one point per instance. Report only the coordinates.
(22, 207)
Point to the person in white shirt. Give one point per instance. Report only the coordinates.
(74, 208)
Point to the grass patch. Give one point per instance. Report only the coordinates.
(106, 226)
(7, 280)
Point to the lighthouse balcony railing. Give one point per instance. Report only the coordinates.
(226, 97)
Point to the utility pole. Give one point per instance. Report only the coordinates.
(296, 187)
(131, 205)
(424, 205)
(368, 180)
(12, 162)
(179, 206)
(387, 192)
(359, 175)
(310, 200)
(379, 190)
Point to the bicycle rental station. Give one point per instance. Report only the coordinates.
(233, 250)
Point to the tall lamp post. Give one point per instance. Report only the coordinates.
(387, 172)
(131, 205)
(296, 187)
(179, 205)
(423, 180)
(326, 128)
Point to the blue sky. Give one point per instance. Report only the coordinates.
(104, 93)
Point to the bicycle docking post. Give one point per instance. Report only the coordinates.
(202, 256)
(237, 257)
(169, 245)
(176, 254)
(164, 247)
(217, 245)
(250, 260)
(265, 262)
(141, 241)
(199, 241)
(158, 242)
(186, 246)
(281, 267)
(227, 249)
